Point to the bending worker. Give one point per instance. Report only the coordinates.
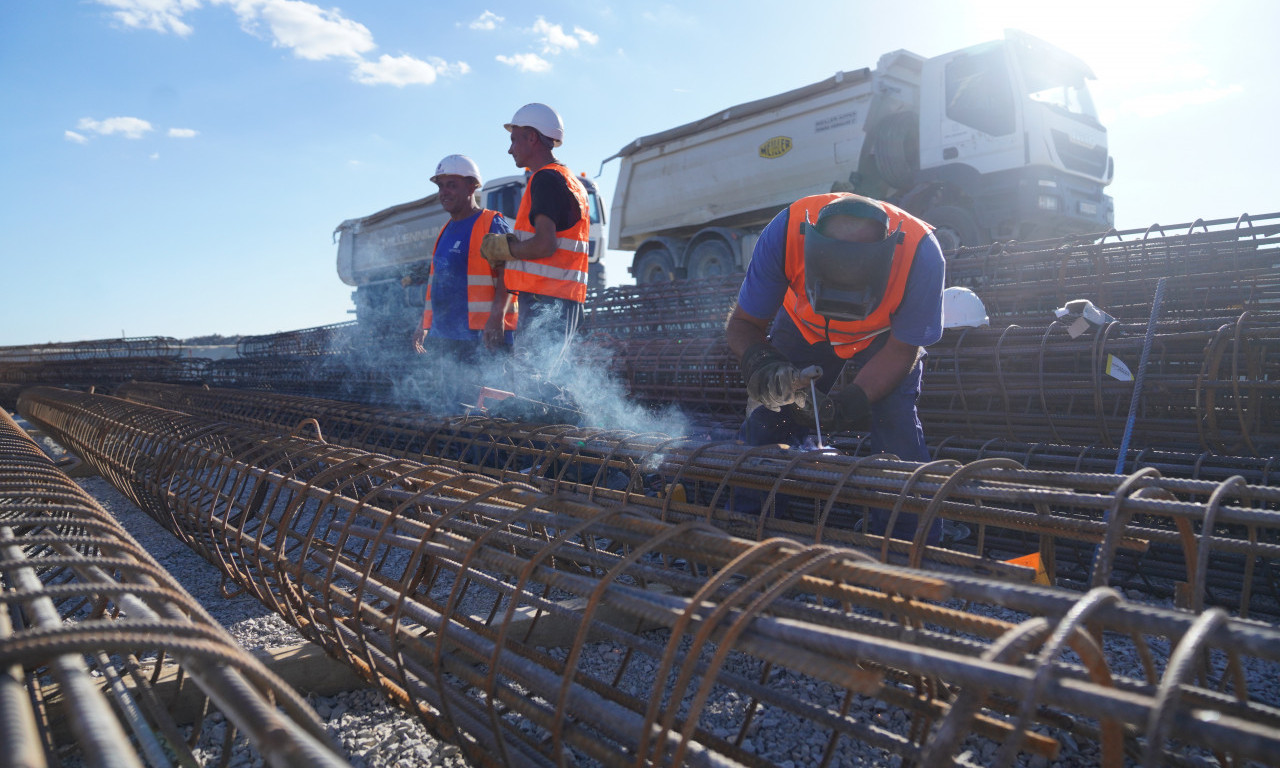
(546, 257)
(842, 278)
(467, 303)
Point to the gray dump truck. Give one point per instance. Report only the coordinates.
(992, 142)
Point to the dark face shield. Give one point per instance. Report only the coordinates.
(845, 280)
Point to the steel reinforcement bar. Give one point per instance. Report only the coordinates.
(1210, 384)
(96, 640)
(321, 340)
(140, 346)
(440, 585)
(1215, 539)
(1211, 266)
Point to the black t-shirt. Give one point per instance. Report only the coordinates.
(553, 199)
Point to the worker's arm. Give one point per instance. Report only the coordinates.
(494, 328)
(886, 368)
(742, 331)
(541, 245)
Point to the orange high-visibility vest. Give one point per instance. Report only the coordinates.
(480, 280)
(564, 273)
(847, 337)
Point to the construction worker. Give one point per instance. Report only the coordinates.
(841, 278)
(467, 303)
(546, 257)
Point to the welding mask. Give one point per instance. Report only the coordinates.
(846, 280)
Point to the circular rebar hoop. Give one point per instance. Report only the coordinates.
(1181, 665)
(1198, 578)
(1069, 625)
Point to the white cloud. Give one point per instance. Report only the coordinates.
(555, 39)
(74, 137)
(395, 70)
(487, 21)
(129, 127)
(526, 62)
(309, 30)
(159, 15)
(154, 155)
(183, 133)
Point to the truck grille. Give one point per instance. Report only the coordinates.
(1087, 160)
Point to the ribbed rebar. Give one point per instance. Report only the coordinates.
(89, 623)
(417, 576)
(758, 492)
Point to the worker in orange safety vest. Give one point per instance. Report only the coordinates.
(546, 258)
(839, 278)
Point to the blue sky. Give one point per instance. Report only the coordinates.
(177, 167)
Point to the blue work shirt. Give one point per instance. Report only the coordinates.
(449, 318)
(918, 319)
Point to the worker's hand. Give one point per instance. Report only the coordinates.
(406, 281)
(494, 334)
(771, 379)
(418, 338)
(496, 249)
(851, 411)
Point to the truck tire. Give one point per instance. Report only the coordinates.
(595, 277)
(654, 266)
(897, 149)
(955, 227)
(711, 258)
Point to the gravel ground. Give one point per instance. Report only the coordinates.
(372, 732)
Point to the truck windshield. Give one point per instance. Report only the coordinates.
(1057, 81)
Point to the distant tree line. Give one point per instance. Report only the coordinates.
(210, 340)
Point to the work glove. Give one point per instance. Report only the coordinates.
(496, 249)
(849, 408)
(771, 379)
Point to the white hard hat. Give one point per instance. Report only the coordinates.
(541, 118)
(961, 308)
(458, 165)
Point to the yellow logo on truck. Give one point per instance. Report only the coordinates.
(775, 147)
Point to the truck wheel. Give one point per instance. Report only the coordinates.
(955, 227)
(654, 266)
(710, 258)
(595, 277)
(897, 148)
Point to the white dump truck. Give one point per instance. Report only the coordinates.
(992, 142)
(377, 251)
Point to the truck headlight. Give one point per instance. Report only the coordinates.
(1047, 203)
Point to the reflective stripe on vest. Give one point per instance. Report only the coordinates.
(480, 280)
(847, 338)
(563, 274)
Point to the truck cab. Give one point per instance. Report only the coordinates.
(1010, 145)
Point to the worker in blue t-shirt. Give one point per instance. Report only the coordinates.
(841, 278)
(468, 309)
(467, 303)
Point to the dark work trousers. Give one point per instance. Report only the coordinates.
(545, 330)
(895, 425)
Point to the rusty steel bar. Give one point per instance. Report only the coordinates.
(676, 309)
(140, 346)
(764, 491)
(1229, 264)
(321, 340)
(1213, 382)
(93, 628)
(419, 576)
